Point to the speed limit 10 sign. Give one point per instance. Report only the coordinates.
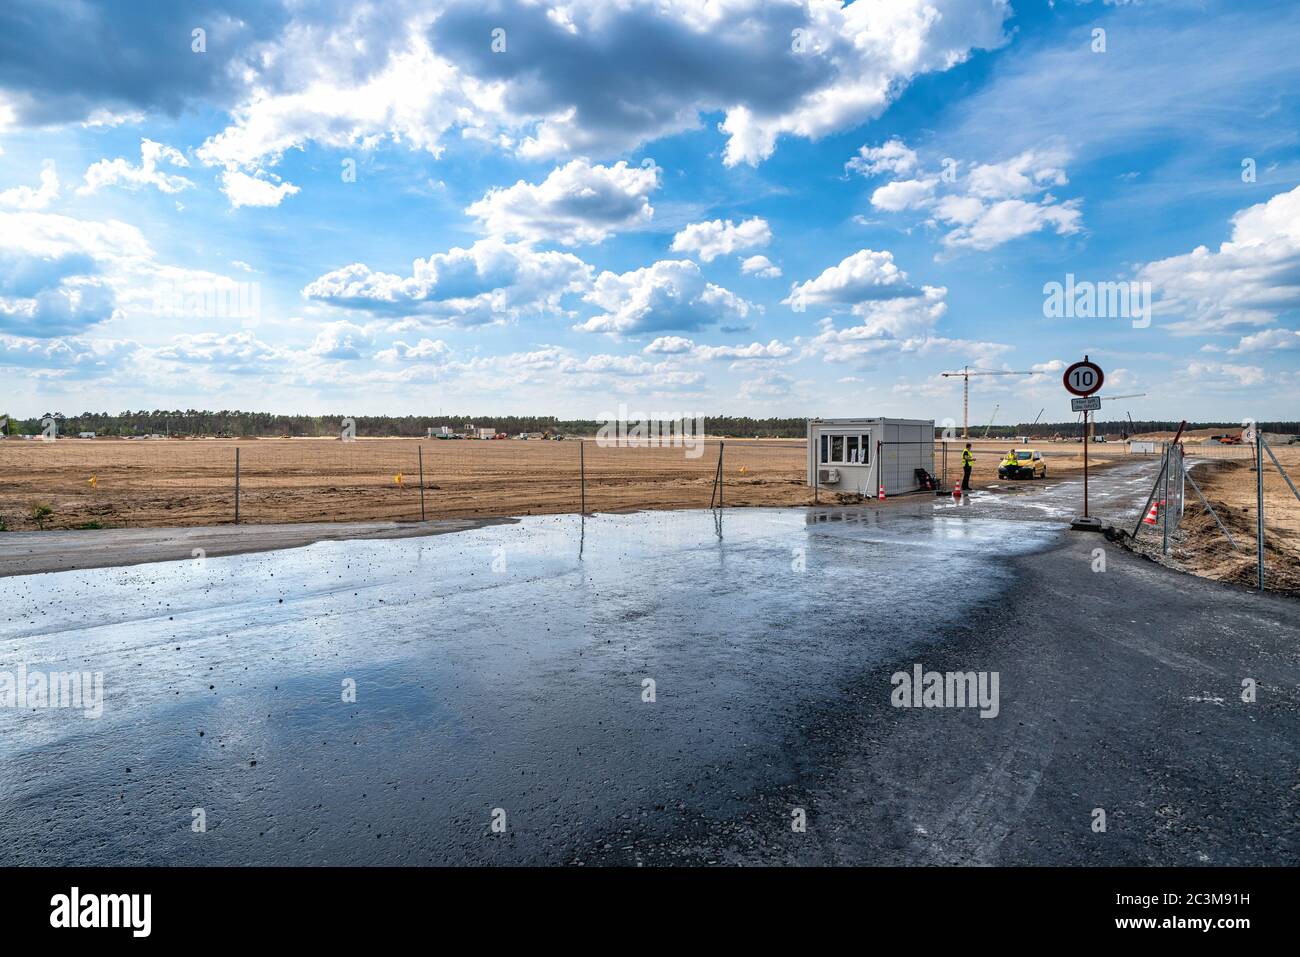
(1084, 378)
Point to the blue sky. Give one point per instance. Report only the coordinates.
(747, 207)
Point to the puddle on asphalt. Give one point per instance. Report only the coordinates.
(503, 666)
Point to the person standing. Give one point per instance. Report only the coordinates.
(967, 461)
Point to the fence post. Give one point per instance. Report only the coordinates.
(1259, 503)
(1164, 505)
(713, 492)
(582, 471)
(420, 450)
(716, 493)
(236, 484)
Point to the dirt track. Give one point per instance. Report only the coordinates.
(190, 482)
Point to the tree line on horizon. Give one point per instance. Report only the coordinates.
(239, 424)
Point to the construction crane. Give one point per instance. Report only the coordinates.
(965, 373)
(988, 428)
(1107, 398)
(1131, 427)
(1034, 424)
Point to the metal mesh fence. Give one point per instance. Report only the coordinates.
(900, 460)
(72, 483)
(1227, 518)
(1175, 485)
(1208, 520)
(1216, 452)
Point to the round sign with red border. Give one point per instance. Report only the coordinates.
(1083, 378)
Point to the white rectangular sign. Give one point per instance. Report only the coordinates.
(1089, 403)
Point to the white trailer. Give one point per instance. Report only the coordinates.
(859, 455)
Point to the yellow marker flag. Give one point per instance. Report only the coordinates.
(93, 482)
(397, 479)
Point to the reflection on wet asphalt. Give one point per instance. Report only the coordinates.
(502, 667)
(1114, 495)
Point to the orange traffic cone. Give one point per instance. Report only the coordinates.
(881, 496)
(1151, 518)
(956, 490)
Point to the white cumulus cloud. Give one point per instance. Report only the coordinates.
(669, 295)
(25, 197)
(590, 77)
(244, 190)
(760, 266)
(1269, 340)
(669, 345)
(426, 350)
(891, 157)
(340, 340)
(119, 172)
(774, 349)
(1249, 281)
(710, 240)
(577, 203)
(865, 275)
(991, 204)
(491, 281)
(903, 194)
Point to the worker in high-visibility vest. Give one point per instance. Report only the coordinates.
(1011, 459)
(967, 461)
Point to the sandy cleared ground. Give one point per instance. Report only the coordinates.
(1231, 489)
(191, 482)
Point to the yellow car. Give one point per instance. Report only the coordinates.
(1028, 464)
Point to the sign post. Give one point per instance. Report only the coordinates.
(1082, 379)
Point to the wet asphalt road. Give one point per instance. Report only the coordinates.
(504, 667)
